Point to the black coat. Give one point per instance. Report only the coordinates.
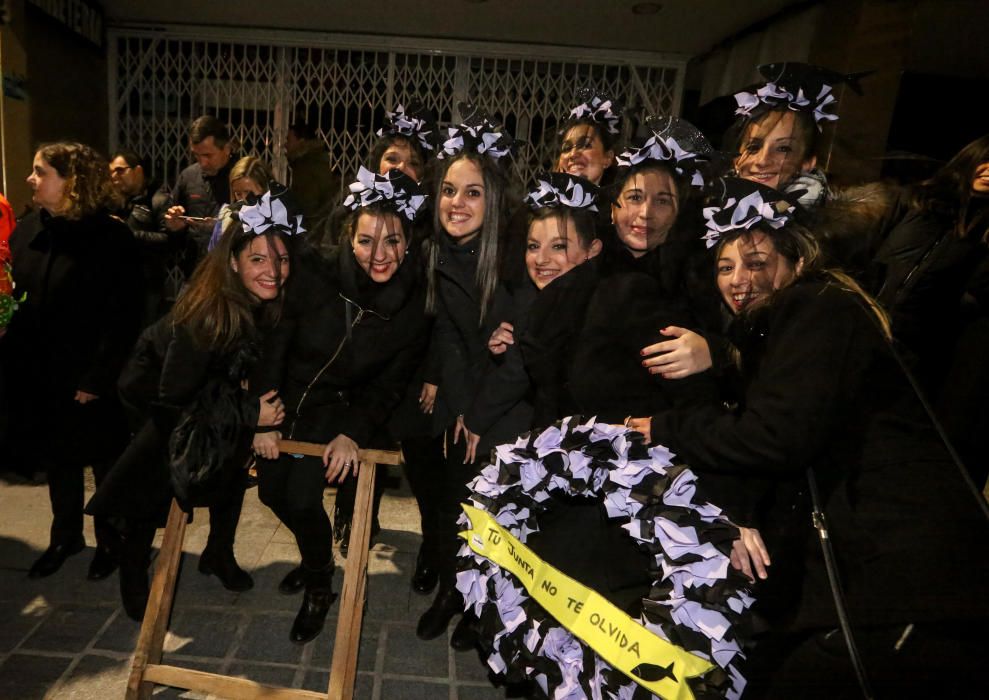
(460, 345)
(78, 323)
(164, 378)
(824, 391)
(501, 408)
(347, 347)
(582, 346)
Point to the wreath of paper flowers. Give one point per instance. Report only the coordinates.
(695, 604)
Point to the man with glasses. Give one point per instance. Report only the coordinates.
(145, 204)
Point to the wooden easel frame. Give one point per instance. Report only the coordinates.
(147, 669)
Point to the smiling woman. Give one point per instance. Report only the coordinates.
(826, 405)
(353, 333)
(185, 388)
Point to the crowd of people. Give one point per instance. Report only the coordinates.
(813, 353)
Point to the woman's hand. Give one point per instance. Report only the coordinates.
(427, 398)
(266, 444)
(340, 458)
(749, 553)
(503, 336)
(272, 410)
(687, 354)
(641, 425)
(85, 397)
(470, 439)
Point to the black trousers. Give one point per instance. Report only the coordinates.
(224, 514)
(347, 495)
(66, 490)
(424, 467)
(293, 488)
(94, 433)
(453, 478)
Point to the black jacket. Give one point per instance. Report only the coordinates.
(347, 347)
(83, 308)
(202, 195)
(145, 216)
(167, 378)
(824, 391)
(459, 347)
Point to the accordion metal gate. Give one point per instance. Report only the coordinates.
(259, 82)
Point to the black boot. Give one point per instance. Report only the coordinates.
(316, 603)
(135, 557)
(464, 637)
(445, 607)
(223, 564)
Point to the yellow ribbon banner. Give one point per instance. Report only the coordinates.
(646, 658)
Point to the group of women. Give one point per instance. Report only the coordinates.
(734, 320)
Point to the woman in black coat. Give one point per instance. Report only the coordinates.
(342, 359)
(191, 412)
(471, 208)
(65, 346)
(824, 395)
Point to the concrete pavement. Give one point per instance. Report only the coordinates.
(65, 637)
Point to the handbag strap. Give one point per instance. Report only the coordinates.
(821, 525)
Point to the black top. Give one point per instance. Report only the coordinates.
(824, 391)
(347, 347)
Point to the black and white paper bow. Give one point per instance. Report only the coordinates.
(395, 189)
(561, 190)
(415, 122)
(477, 133)
(269, 212)
(772, 95)
(600, 109)
(744, 212)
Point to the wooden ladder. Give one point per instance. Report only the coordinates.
(147, 669)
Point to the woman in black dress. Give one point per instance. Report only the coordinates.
(64, 348)
(352, 336)
(825, 399)
(190, 408)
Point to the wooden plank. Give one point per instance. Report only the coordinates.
(224, 686)
(314, 449)
(343, 671)
(155, 624)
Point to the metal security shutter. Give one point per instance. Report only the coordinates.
(160, 78)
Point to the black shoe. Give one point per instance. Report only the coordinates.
(316, 602)
(226, 569)
(434, 621)
(293, 582)
(134, 590)
(104, 563)
(425, 577)
(53, 558)
(464, 637)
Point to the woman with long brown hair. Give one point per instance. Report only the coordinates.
(826, 410)
(189, 396)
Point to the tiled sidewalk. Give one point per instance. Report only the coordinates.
(66, 637)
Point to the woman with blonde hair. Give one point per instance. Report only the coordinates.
(250, 177)
(64, 348)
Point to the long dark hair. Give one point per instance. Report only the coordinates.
(495, 208)
(88, 188)
(216, 308)
(949, 192)
(801, 249)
